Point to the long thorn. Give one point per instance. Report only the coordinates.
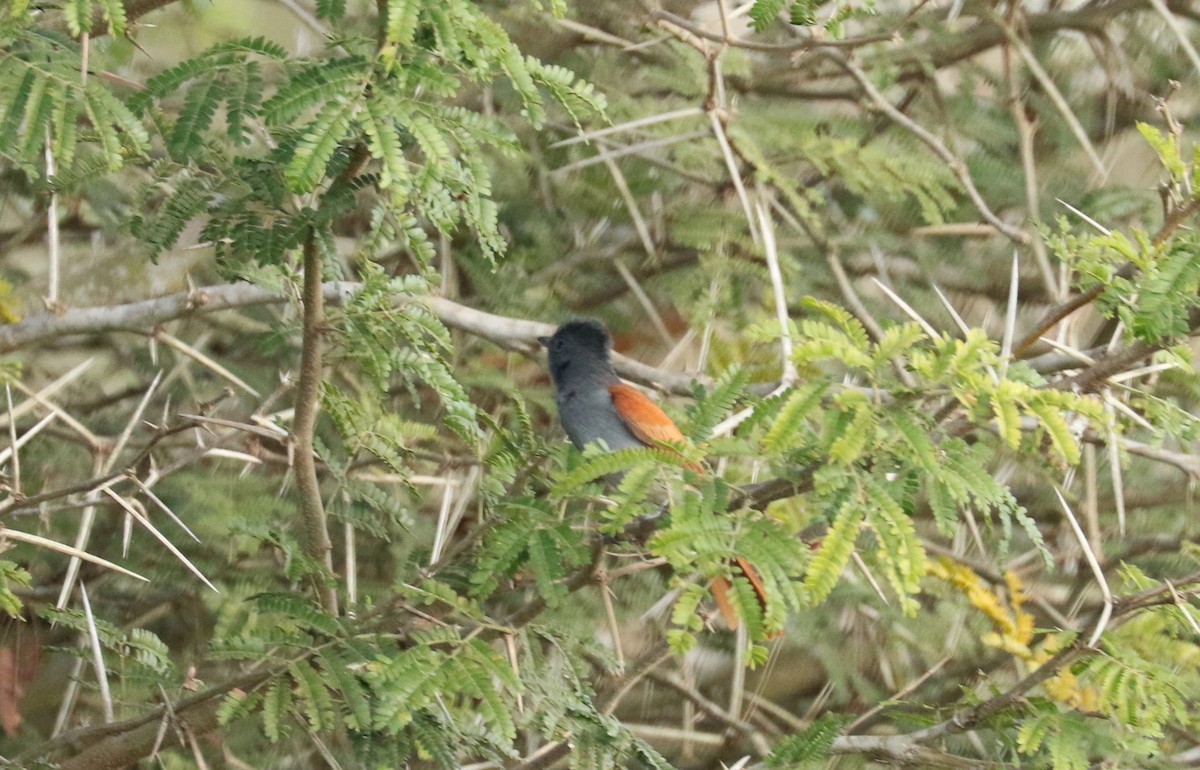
(1098, 573)
(908, 310)
(97, 655)
(132, 511)
(54, 545)
(1010, 317)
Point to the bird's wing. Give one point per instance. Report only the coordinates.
(653, 427)
(643, 417)
(646, 420)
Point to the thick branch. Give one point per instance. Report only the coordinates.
(141, 317)
(314, 530)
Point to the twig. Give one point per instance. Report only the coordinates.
(1010, 318)
(908, 310)
(441, 532)
(204, 360)
(650, 120)
(137, 515)
(1091, 507)
(612, 152)
(712, 709)
(1056, 97)
(610, 615)
(26, 437)
(1099, 227)
(92, 440)
(903, 692)
(1026, 130)
(1181, 35)
(643, 231)
(957, 166)
(312, 22)
(751, 45)
(48, 391)
(1114, 461)
(12, 443)
(735, 174)
(592, 33)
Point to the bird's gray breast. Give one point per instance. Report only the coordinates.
(589, 415)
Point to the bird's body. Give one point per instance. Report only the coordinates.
(589, 415)
(595, 406)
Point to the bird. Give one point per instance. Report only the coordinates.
(594, 404)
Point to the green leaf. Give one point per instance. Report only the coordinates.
(814, 743)
(314, 87)
(78, 14)
(1166, 147)
(605, 463)
(242, 102)
(331, 9)
(900, 550)
(717, 403)
(799, 403)
(114, 14)
(300, 610)
(199, 107)
(764, 12)
(1008, 416)
(855, 434)
(1057, 428)
(277, 703)
(834, 553)
(316, 147)
(384, 144)
(237, 705)
(402, 16)
(11, 575)
(314, 697)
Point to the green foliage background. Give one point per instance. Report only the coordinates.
(930, 598)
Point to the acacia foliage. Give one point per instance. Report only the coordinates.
(413, 135)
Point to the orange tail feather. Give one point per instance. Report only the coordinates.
(720, 591)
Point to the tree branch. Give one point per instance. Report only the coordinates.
(142, 316)
(313, 528)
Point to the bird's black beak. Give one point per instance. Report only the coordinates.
(545, 341)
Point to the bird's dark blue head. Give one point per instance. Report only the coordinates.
(579, 349)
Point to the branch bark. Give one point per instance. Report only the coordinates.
(313, 526)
